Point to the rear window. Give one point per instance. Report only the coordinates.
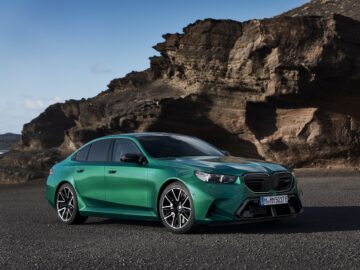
(82, 154)
(99, 151)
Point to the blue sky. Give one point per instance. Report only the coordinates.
(54, 50)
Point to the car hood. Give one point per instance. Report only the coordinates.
(226, 165)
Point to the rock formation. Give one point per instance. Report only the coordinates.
(284, 89)
(349, 8)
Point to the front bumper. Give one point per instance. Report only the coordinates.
(252, 210)
(218, 203)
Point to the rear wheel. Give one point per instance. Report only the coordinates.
(176, 209)
(67, 206)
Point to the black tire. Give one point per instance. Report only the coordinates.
(174, 204)
(67, 206)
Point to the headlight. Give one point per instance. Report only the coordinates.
(215, 178)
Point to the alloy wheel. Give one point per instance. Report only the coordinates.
(176, 208)
(65, 203)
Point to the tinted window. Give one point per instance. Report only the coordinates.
(122, 147)
(82, 154)
(176, 146)
(99, 151)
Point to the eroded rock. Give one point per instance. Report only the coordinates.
(283, 89)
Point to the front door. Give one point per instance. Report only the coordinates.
(127, 187)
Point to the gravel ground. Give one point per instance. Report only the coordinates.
(325, 236)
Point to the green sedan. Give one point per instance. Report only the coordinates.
(181, 180)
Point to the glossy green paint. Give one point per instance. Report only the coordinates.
(131, 190)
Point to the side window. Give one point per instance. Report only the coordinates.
(99, 150)
(82, 154)
(122, 147)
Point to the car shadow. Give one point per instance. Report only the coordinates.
(313, 219)
(145, 223)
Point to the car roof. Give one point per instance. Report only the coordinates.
(141, 134)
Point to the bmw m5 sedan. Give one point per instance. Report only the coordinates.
(180, 180)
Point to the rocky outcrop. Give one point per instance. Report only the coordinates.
(349, 8)
(284, 89)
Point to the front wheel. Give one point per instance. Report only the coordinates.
(67, 206)
(176, 209)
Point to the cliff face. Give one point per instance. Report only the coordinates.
(284, 89)
(349, 8)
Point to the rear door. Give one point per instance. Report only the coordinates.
(127, 185)
(89, 172)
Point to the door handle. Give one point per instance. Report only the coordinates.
(111, 171)
(80, 170)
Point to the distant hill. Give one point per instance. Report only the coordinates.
(8, 139)
(349, 8)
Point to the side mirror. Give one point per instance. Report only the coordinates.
(226, 153)
(133, 158)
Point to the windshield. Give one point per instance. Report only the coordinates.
(165, 146)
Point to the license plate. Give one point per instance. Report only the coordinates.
(274, 200)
